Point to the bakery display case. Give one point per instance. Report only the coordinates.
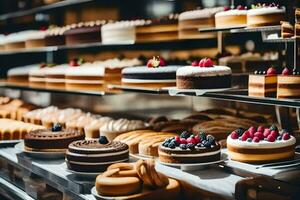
(149, 99)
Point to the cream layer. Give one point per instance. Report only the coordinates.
(189, 155)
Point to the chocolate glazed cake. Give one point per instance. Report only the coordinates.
(95, 155)
(51, 140)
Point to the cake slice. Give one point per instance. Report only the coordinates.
(288, 85)
(287, 30)
(263, 84)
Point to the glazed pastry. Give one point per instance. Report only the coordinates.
(203, 75)
(114, 128)
(92, 130)
(55, 139)
(95, 155)
(189, 148)
(260, 145)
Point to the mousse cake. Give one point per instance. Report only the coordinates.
(189, 148)
(95, 155)
(263, 84)
(260, 145)
(203, 75)
(155, 75)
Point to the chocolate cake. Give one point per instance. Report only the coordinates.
(81, 33)
(203, 75)
(95, 155)
(55, 139)
(189, 148)
(260, 145)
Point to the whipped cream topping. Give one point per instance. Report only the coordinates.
(203, 71)
(122, 125)
(261, 144)
(124, 24)
(231, 12)
(265, 11)
(199, 14)
(86, 70)
(24, 70)
(59, 69)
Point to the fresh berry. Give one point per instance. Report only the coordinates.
(208, 63)
(185, 134)
(271, 71)
(286, 136)
(256, 139)
(172, 145)
(190, 146)
(239, 7)
(175, 142)
(259, 135)
(261, 129)
(43, 65)
(191, 140)
(271, 138)
(103, 140)
(240, 131)
(283, 131)
(57, 127)
(210, 138)
(244, 137)
(183, 146)
(252, 130)
(202, 136)
(279, 137)
(149, 64)
(197, 139)
(162, 62)
(274, 133)
(183, 141)
(207, 144)
(266, 132)
(73, 63)
(249, 140)
(273, 128)
(234, 135)
(247, 133)
(177, 139)
(201, 62)
(195, 63)
(285, 71)
(226, 8)
(166, 143)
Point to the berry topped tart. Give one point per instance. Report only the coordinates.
(203, 74)
(263, 83)
(265, 15)
(260, 145)
(156, 74)
(189, 148)
(288, 84)
(231, 17)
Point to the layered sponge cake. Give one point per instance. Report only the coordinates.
(231, 17)
(260, 145)
(288, 84)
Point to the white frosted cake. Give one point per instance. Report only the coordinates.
(55, 76)
(20, 75)
(37, 77)
(35, 39)
(121, 32)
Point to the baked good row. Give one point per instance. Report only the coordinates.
(275, 83)
(172, 27)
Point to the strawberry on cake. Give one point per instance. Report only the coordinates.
(203, 74)
(260, 145)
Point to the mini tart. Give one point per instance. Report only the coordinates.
(231, 18)
(262, 85)
(261, 152)
(288, 86)
(92, 156)
(197, 155)
(143, 76)
(191, 77)
(45, 140)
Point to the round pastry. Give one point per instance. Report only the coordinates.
(55, 139)
(265, 15)
(154, 75)
(114, 128)
(203, 75)
(231, 18)
(189, 148)
(260, 145)
(95, 155)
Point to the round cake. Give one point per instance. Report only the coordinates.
(265, 15)
(154, 75)
(260, 145)
(189, 148)
(95, 155)
(203, 75)
(231, 18)
(55, 139)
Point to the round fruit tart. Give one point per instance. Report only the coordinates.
(189, 148)
(260, 145)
